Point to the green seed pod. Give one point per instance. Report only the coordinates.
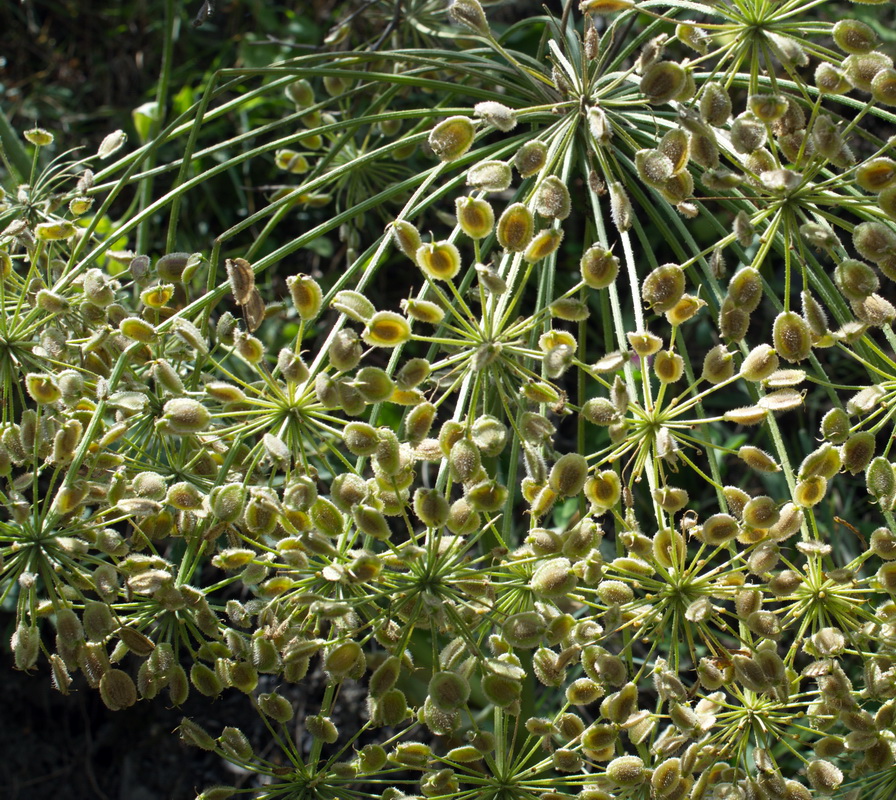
(185, 416)
(757, 459)
(874, 240)
(327, 518)
(653, 167)
(663, 81)
(604, 489)
(371, 522)
(876, 175)
(823, 776)
(464, 460)
(360, 438)
(384, 677)
(792, 337)
(386, 329)
(767, 107)
(227, 501)
(719, 529)
(431, 507)
(348, 490)
(760, 363)
(715, 105)
(568, 475)
(645, 344)
(322, 728)
(760, 512)
(583, 692)
(676, 146)
(615, 593)
(668, 366)
(439, 260)
(748, 134)
(496, 114)
(452, 137)
(343, 659)
(881, 480)
(500, 690)
(544, 244)
(490, 176)
(553, 578)
(734, 321)
(448, 691)
(345, 350)
(883, 87)
(552, 199)
(469, 13)
(516, 227)
(374, 384)
(852, 36)
(855, 279)
(861, 68)
(626, 771)
(569, 309)
(475, 217)
(858, 450)
(524, 630)
(371, 758)
(831, 80)
(117, 690)
(137, 329)
(463, 519)
(205, 680)
(745, 289)
(835, 426)
(355, 305)
(718, 365)
(599, 267)
(530, 158)
(663, 287)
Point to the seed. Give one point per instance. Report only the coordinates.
(470, 14)
(745, 289)
(117, 690)
(718, 365)
(760, 512)
(568, 474)
(42, 388)
(345, 350)
(644, 343)
(719, 529)
(855, 279)
(663, 81)
(874, 240)
(386, 329)
(137, 329)
(757, 459)
(767, 107)
(55, 231)
(543, 245)
(599, 267)
(626, 771)
(792, 337)
(620, 207)
(823, 776)
(861, 68)
(876, 175)
(883, 87)
(306, 294)
(831, 80)
(448, 691)
(496, 114)
(516, 228)
(475, 217)
(452, 137)
(653, 167)
(686, 308)
(881, 480)
(439, 260)
(604, 489)
(663, 287)
(748, 134)
(668, 366)
(490, 176)
(715, 105)
(858, 450)
(552, 199)
(184, 416)
(530, 158)
(553, 578)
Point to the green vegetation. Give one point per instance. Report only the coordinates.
(534, 371)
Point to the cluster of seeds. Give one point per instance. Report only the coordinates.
(548, 508)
